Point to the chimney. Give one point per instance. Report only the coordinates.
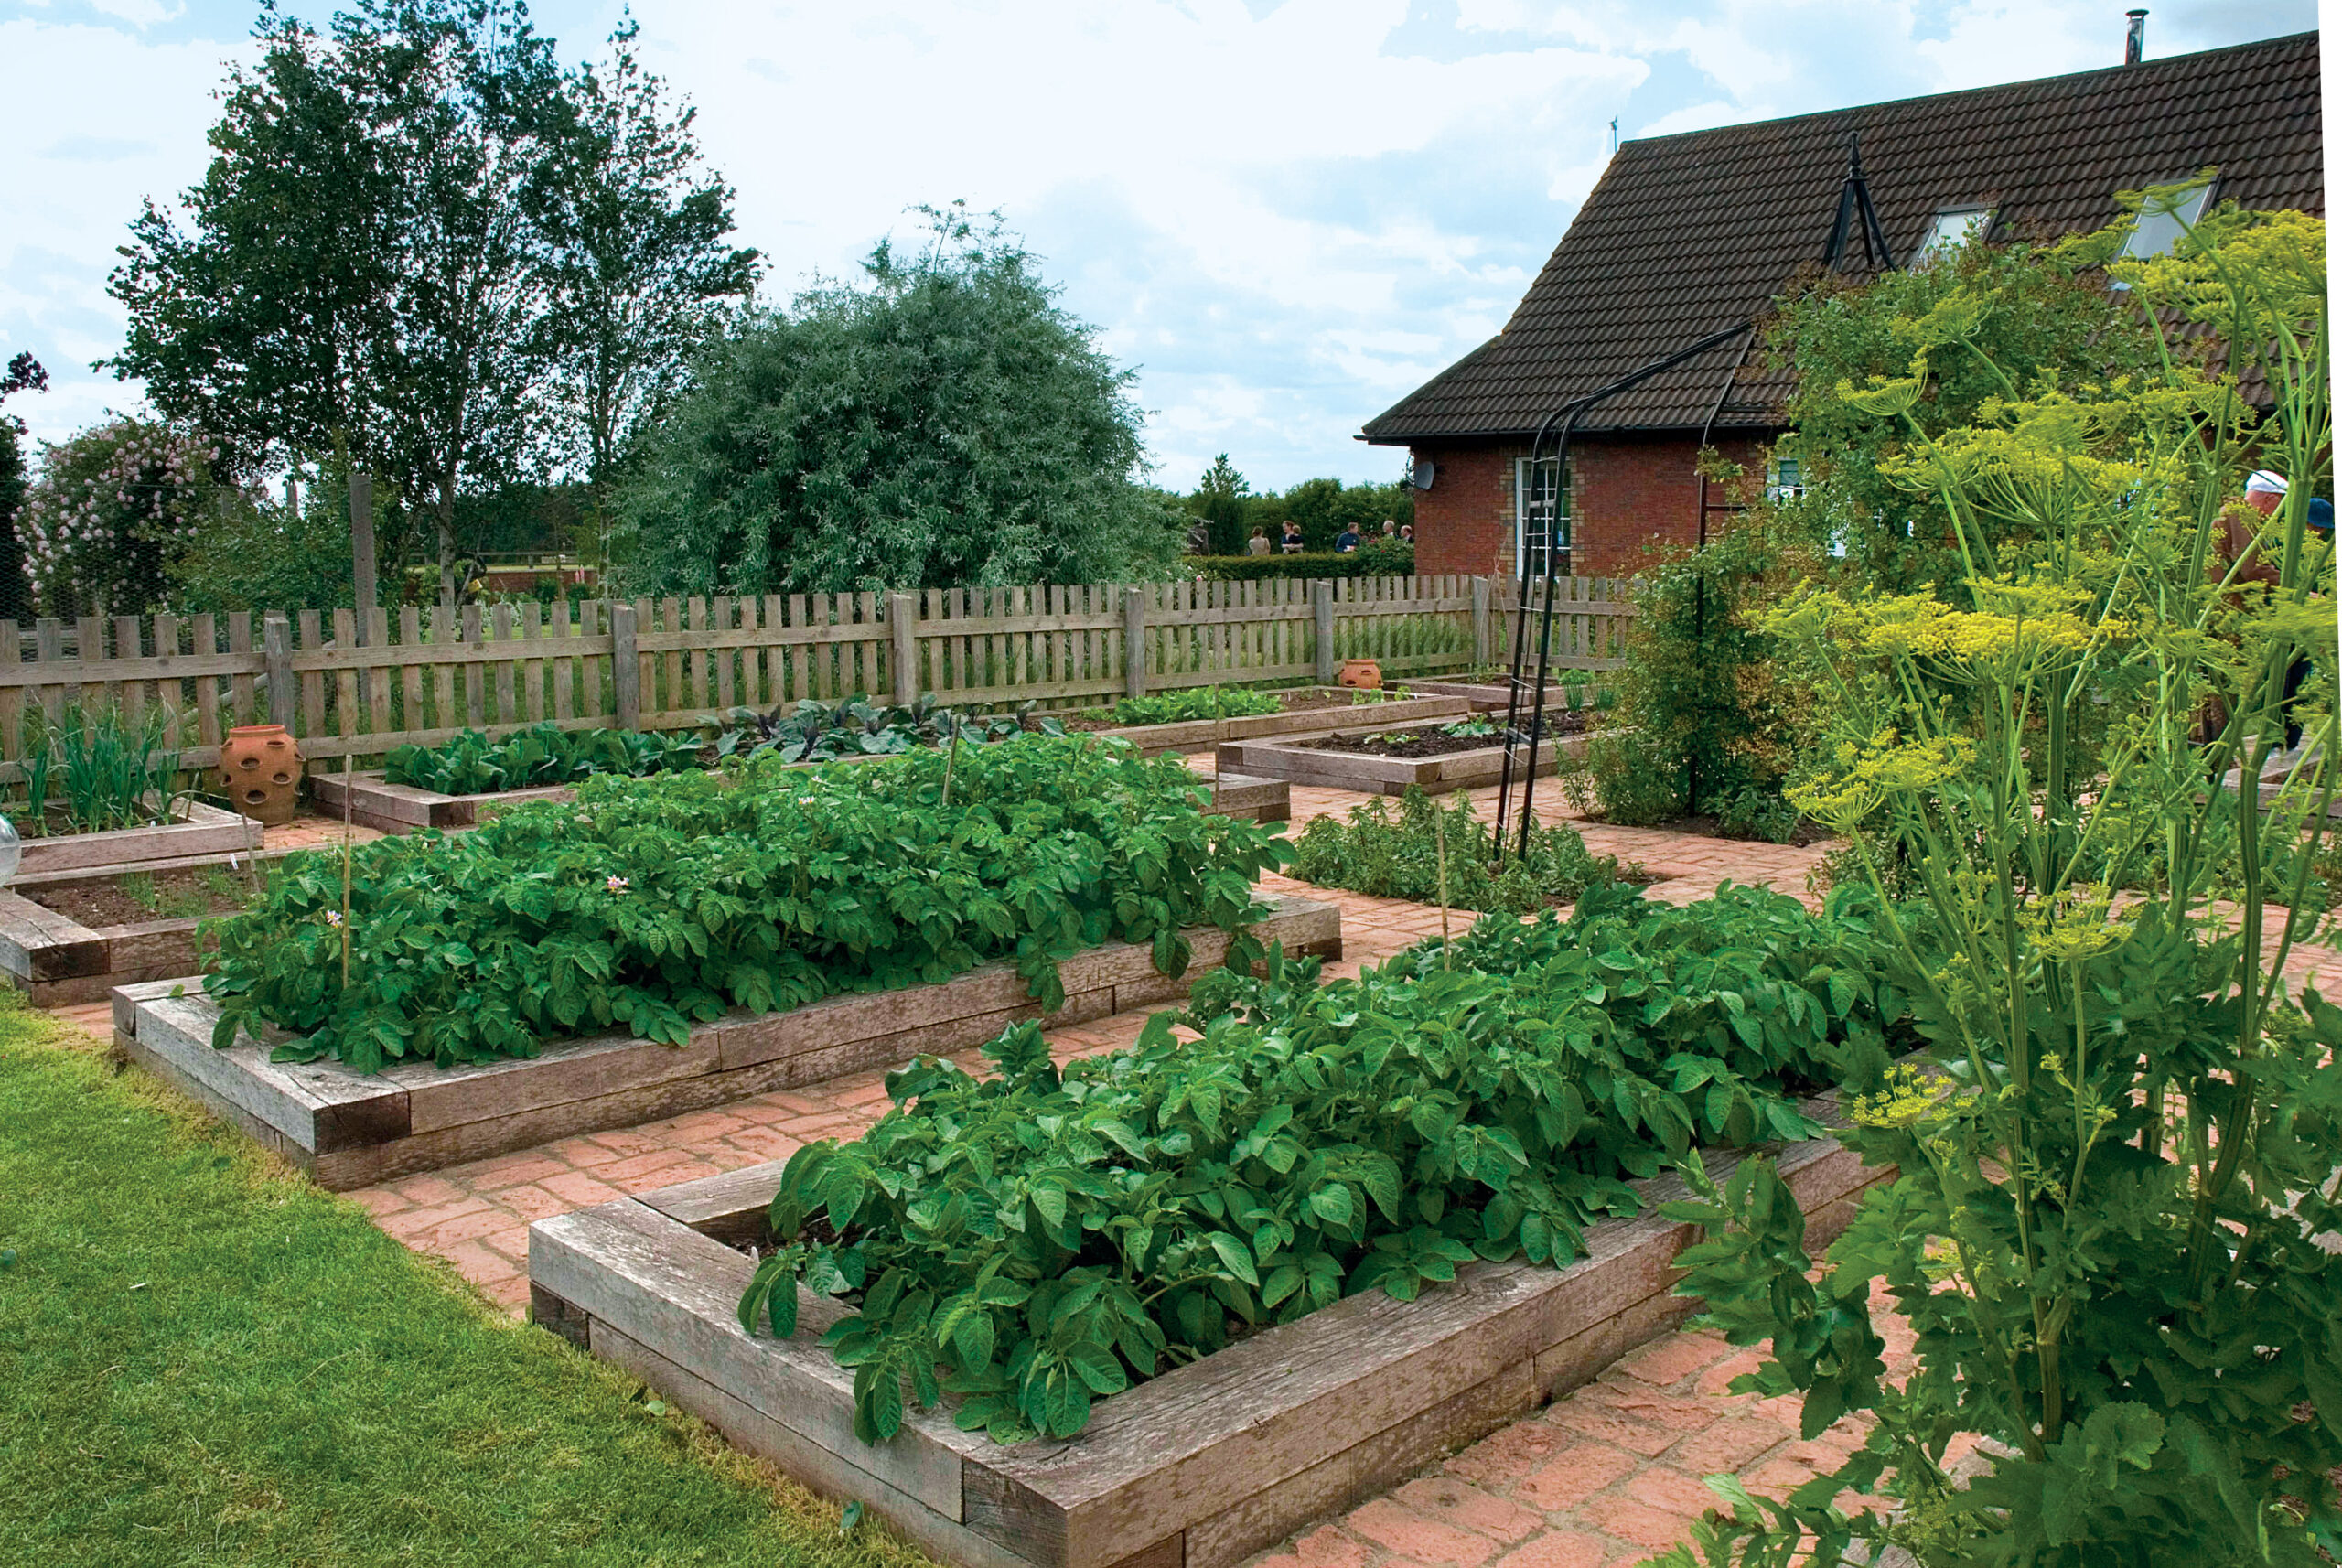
(2134, 41)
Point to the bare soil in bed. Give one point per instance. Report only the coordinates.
(138, 897)
(1412, 745)
(1300, 700)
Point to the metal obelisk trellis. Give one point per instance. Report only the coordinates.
(1857, 216)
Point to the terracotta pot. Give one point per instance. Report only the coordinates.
(1362, 672)
(260, 772)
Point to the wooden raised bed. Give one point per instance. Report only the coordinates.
(1254, 800)
(57, 961)
(1196, 735)
(1491, 696)
(348, 1129)
(1198, 1468)
(197, 830)
(404, 808)
(1386, 775)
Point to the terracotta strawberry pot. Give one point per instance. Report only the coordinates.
(1366, 673)
(260, 772)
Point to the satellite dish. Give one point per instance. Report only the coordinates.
(1425, 470)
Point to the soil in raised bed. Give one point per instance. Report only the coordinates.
(1300, 700)
(1410, 744)
(135, 897)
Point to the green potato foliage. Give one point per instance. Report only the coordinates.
(1196, 703)
(1035, 1240)
(544, 754)
(649, 905)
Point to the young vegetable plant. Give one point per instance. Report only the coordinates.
(1197, 703)
(541, 754)
(810, 731)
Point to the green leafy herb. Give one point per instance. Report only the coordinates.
(1197, 703)
(1398, 856)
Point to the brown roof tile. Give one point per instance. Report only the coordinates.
(1685, 235)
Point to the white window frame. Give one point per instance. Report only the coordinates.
(1528, 549)
(2161, 230)
(1954, 229)
(1778, 490)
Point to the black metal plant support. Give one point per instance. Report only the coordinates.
(1567, 416)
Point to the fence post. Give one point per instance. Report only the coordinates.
(276, 650)
(626, 667)
(361, 548)
(1483, 621)
(902, 628)
(1134, 642)
(1322, 592)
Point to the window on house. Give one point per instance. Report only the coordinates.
(1784, 480)
(2157, 233)
(1954, 227)
(1541, 510)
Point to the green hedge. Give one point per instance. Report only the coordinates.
(653, 903)
(1037, 1239)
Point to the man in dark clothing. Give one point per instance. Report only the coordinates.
(1346, 541)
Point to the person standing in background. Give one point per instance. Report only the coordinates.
(1292, 542)
(1258, 543)
(1346, 541)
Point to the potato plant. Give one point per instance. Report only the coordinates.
(649, 904)
(1035, 1240)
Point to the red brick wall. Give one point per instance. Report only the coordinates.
(1464, 522)
(1625, 493)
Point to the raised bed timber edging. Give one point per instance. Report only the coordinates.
(375, 802)
(1253, 800)
(57, 962)
(200, 830)
(1488, 697)
(1196, 735)
(1198, 1468)
(1385, 775)
(348, 1129)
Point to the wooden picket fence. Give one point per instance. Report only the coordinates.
(422, 674)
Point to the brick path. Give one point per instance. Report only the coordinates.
(1601, 1477)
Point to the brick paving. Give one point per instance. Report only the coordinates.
(1601, 1477)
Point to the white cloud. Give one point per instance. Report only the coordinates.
(124, 119)
(1287, 220)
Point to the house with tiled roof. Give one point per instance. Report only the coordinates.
(1689, 237)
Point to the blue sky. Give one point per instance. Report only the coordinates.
(1284, 213)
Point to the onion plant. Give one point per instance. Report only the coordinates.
(106, 770)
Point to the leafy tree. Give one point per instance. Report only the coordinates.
(641, 275)
(23, 374)
(946, 423)
(420, 242)
(1220, 501)
(259, 554)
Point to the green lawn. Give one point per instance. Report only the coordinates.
(204, 1359)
